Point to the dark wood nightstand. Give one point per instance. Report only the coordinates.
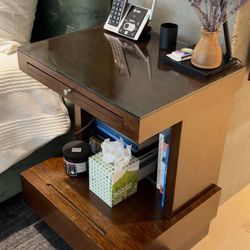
(139, 96)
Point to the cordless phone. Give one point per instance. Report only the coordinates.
(117, 10)
(127, 19)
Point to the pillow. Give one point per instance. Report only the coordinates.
(16, 22)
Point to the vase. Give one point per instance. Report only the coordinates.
(207, 53)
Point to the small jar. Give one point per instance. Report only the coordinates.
(75, 155)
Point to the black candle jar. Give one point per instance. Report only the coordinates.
(75, 155)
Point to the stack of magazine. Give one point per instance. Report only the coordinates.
(107, 132)
(146, 152)
(181, 55)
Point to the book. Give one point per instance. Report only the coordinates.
(181, 55)
(107, 132)
(164, 179)
(163, 142)
(177, 59)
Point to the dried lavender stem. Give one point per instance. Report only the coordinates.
(200, 17)
(216, 11)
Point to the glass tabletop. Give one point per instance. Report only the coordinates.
(130, 75)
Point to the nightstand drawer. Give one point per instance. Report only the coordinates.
(82, 101)
(97, 106)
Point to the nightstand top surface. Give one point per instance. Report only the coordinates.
(128, 75)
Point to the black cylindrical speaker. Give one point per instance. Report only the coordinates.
(168, 36)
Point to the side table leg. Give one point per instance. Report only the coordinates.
(78, 120)
(83, 121)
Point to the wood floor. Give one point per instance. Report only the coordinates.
(230, 230)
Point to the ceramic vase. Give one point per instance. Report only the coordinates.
(207, 53)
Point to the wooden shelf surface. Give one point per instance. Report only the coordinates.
(132, 224)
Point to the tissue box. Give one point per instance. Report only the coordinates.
(109, 185)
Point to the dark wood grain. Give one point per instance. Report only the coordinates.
(119, 119)
(86, 58)
(83, 61)
(204, 118)
(71, 209)
(141, 103)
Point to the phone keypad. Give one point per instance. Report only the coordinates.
(116, 12)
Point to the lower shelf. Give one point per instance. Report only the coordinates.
(82, 219)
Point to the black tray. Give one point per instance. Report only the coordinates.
(187, 68)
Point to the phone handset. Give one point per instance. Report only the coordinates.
(127, 19)
(117, 10)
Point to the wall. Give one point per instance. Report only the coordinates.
(235, 166)
(181, 13)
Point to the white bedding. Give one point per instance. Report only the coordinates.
(31, 115)
(8, 60)
(8, 47)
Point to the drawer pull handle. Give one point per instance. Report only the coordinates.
(67, 91)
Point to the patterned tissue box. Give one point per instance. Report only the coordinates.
(109, 185)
